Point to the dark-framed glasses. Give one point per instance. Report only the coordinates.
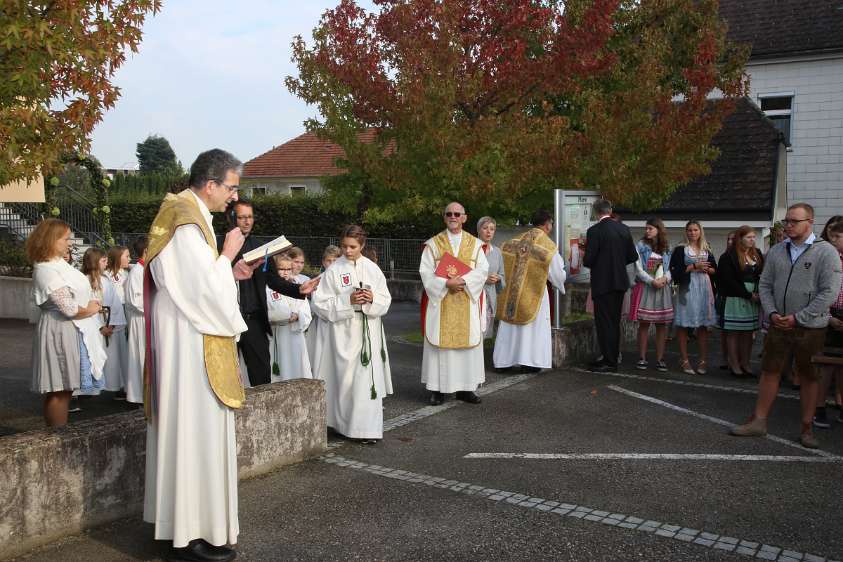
(454, 214)
(793, 221)
(230, 188)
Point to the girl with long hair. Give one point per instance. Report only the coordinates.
(692, 268)
(652, 301)
(738, 274)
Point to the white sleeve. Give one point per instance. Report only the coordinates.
(556, 274)
(201, 287)
(329, 303)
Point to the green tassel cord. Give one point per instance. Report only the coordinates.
(275, 369)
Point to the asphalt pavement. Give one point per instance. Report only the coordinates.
(563, 465)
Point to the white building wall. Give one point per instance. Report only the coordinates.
(815, 160)
(282, 185)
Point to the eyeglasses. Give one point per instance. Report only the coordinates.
(230, 188)
(454, 214)
(793, 221)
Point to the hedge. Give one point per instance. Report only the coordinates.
(274, 215)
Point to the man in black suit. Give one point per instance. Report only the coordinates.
(609, 248)
(254, 343)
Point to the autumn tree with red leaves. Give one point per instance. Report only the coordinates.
(495, 102)
(57, 58)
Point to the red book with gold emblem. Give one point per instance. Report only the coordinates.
(449, 266)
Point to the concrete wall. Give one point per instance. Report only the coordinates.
(16, 298)
(59, 482)
(815, 161)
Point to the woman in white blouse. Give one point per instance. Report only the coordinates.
(67, 333)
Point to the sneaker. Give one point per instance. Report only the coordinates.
(661, 366)
(685, 367)
(821, 419)
(74, 409)
(808, 440)
(642, 365)
(754, 428)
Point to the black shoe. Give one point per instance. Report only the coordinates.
(120, 395)
(503, 370)
(436, 398)
(470, 397)
(596, 364)
(605, 368)
(821, 419)
(201, 551)
(528, 369)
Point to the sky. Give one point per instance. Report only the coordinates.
(210, 74)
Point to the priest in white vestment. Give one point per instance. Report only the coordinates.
(133, 299)
(524, 334)
(453, 337)
(350, 353)
(191, 455)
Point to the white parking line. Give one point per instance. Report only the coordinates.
(652, 456)
(712, 419)
(723, 387)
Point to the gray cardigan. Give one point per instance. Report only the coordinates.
(805, 288)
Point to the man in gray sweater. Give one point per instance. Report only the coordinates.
(801, 279)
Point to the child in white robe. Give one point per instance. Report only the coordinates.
(329, 256)
(351, 355)
(117, 365)
(133, 300)
(289, 318)
(297, 256)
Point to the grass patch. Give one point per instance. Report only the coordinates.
(576, 317)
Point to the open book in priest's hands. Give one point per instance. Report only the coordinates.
(267, 250)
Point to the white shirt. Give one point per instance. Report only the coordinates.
(455, 240)
(797, 250)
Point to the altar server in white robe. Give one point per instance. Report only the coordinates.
(530, 261)
(351, 355)
(191, 454)
(133, 300)
(116, 347)
(452, 360)
(288, 318)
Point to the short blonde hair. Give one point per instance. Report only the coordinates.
(39, 244)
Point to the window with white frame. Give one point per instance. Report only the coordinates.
(298, 190)
(779, 109)
(258, 191)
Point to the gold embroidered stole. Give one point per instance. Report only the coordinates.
(220, 352)
(526, 261)
(455, 314)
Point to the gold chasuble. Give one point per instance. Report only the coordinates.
(455, 316)
(526, 261)
(220, 352)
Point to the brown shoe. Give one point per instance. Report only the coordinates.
(808, 440)
(756, 427)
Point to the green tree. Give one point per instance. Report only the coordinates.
(156, 156)
(494, 102)
(57, 59)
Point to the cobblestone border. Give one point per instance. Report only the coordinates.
(667, 530)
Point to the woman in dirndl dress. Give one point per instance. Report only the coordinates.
(66, 341)
(692, 269)
(652, 299)
(738, 274)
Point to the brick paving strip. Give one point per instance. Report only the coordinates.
(561, 509)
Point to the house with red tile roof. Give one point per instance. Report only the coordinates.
(295, 167)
